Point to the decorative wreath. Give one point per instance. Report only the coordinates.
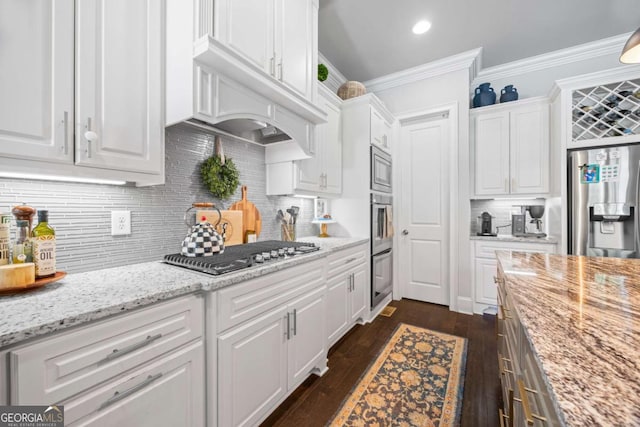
(221, 179)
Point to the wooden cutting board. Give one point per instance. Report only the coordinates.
(233, 219)
(251, 219)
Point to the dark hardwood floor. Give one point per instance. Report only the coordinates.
(318, 398)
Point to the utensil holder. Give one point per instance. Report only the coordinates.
(288, 232)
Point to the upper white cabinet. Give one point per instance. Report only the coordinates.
(277, 36)
(36, 80)
(380, 130)
(322, 173)
(115, 122)
(512, 148)
(119, 84)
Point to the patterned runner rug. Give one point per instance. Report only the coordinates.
(416, 380)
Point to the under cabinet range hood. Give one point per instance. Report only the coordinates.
(213, 87)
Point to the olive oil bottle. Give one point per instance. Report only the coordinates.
(44, 246)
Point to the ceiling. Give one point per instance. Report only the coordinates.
(366, 39)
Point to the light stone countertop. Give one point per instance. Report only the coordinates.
(510, 238)
(581, 316)
(84, 297)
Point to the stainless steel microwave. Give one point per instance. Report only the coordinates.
(380, 170)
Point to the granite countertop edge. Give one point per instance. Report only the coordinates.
(90, 296)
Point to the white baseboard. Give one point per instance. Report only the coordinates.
(465, 305)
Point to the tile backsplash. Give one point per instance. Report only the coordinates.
(501, 211)
(81, 213)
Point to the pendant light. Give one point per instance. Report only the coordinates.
(631, 51)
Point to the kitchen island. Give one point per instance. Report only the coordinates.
(579, 319)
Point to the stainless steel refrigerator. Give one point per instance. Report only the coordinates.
(603, 201)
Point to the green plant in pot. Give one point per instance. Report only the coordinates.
(323, 72)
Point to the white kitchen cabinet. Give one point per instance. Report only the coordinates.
(119, 84)
(272, 336)
(264, 359)
(168, 392)
(277, 36)
(322, 173)
(380, 130)
(484, 264)
(127, 367)
(252, 369)
(36, 80)
(511, 146)
(347, 291)
(113, 128)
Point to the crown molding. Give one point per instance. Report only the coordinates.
(466, 60)
(335, 78)
(556, 58)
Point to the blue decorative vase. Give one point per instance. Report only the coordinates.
(484, 96)
(509, 93)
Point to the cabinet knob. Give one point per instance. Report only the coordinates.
(90, 135)
(405, 232)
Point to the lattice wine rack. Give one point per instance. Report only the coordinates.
(606, 111)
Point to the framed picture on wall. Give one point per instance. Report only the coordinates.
(321, 207)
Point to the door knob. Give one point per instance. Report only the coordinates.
(405, 232)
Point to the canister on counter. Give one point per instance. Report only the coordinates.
(5, 236)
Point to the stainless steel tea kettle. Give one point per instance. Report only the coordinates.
(202, 239)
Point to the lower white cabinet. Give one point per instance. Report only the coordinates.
(272, 337)
(141, 368)
(484, 263)
(347, 291)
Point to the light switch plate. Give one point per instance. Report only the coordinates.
(120, 223)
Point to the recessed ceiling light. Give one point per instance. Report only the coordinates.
(421, 27)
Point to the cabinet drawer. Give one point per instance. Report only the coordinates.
(167, 392)
(485, 249)
(345, 260)
(241, 302)
(56, 368)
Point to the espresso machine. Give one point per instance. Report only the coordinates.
(484, 220)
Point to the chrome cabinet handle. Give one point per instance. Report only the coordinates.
(506, 185)
(116, 353)
(117, 396)
(513, 184)
(272, 65)
(65, 120)
(288, 326)
(280, 71)
(295, 322)
(350, 260)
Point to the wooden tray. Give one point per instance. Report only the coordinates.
(37, 284)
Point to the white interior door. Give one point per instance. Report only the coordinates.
(424, 215)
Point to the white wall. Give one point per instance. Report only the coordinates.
(425, 95)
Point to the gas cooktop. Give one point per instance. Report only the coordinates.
(242, 256)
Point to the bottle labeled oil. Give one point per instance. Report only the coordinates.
(44, 246)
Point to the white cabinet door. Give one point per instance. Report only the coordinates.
(119, 84)
(169, 392)
(308, 172)
(36, 79)
(359, 300)
(307, 346)
(294, 41)
(377, 128)
(529, 134)
(492, 154)
(252, 369)
(486, 291)
(248, 26)
(338, 305)
(330, 146)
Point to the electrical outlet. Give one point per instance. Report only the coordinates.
(120, 223)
